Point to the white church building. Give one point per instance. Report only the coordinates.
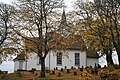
(72, 56)
(75, 55)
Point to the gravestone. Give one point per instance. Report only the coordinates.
(53, 72)
(65, 67)
(96, 69)
(61, 69)
(56, 68)
(68, 70)
(78, 67)
(72, 67)
(75, 73)
(81, 69)
(59, 74)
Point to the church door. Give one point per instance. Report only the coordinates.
(20, 64)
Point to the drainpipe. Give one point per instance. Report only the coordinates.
(49, 60)
(26, 60)
(26, 65)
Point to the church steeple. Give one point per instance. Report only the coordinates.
(63, 24)
(63, 19)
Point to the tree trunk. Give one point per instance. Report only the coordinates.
(119, 58)
(42, 68)
(118, 53)
(117, 47)
(109, 56)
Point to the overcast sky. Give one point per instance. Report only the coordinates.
(67, 2)
(6, 1)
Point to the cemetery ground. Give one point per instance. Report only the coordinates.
(88, 73)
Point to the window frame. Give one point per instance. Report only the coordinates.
(38, 61)
(77, 59)
(59, 58)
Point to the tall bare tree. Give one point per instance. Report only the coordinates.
(36, 22)
(4, 16)
(5, 30)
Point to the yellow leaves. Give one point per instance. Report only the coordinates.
(89, 18)
(28, 15)
(73, 30)
(89, 7)
(10, 50)
(91, 37)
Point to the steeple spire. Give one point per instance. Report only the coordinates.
(63, 19)
(63, 24)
